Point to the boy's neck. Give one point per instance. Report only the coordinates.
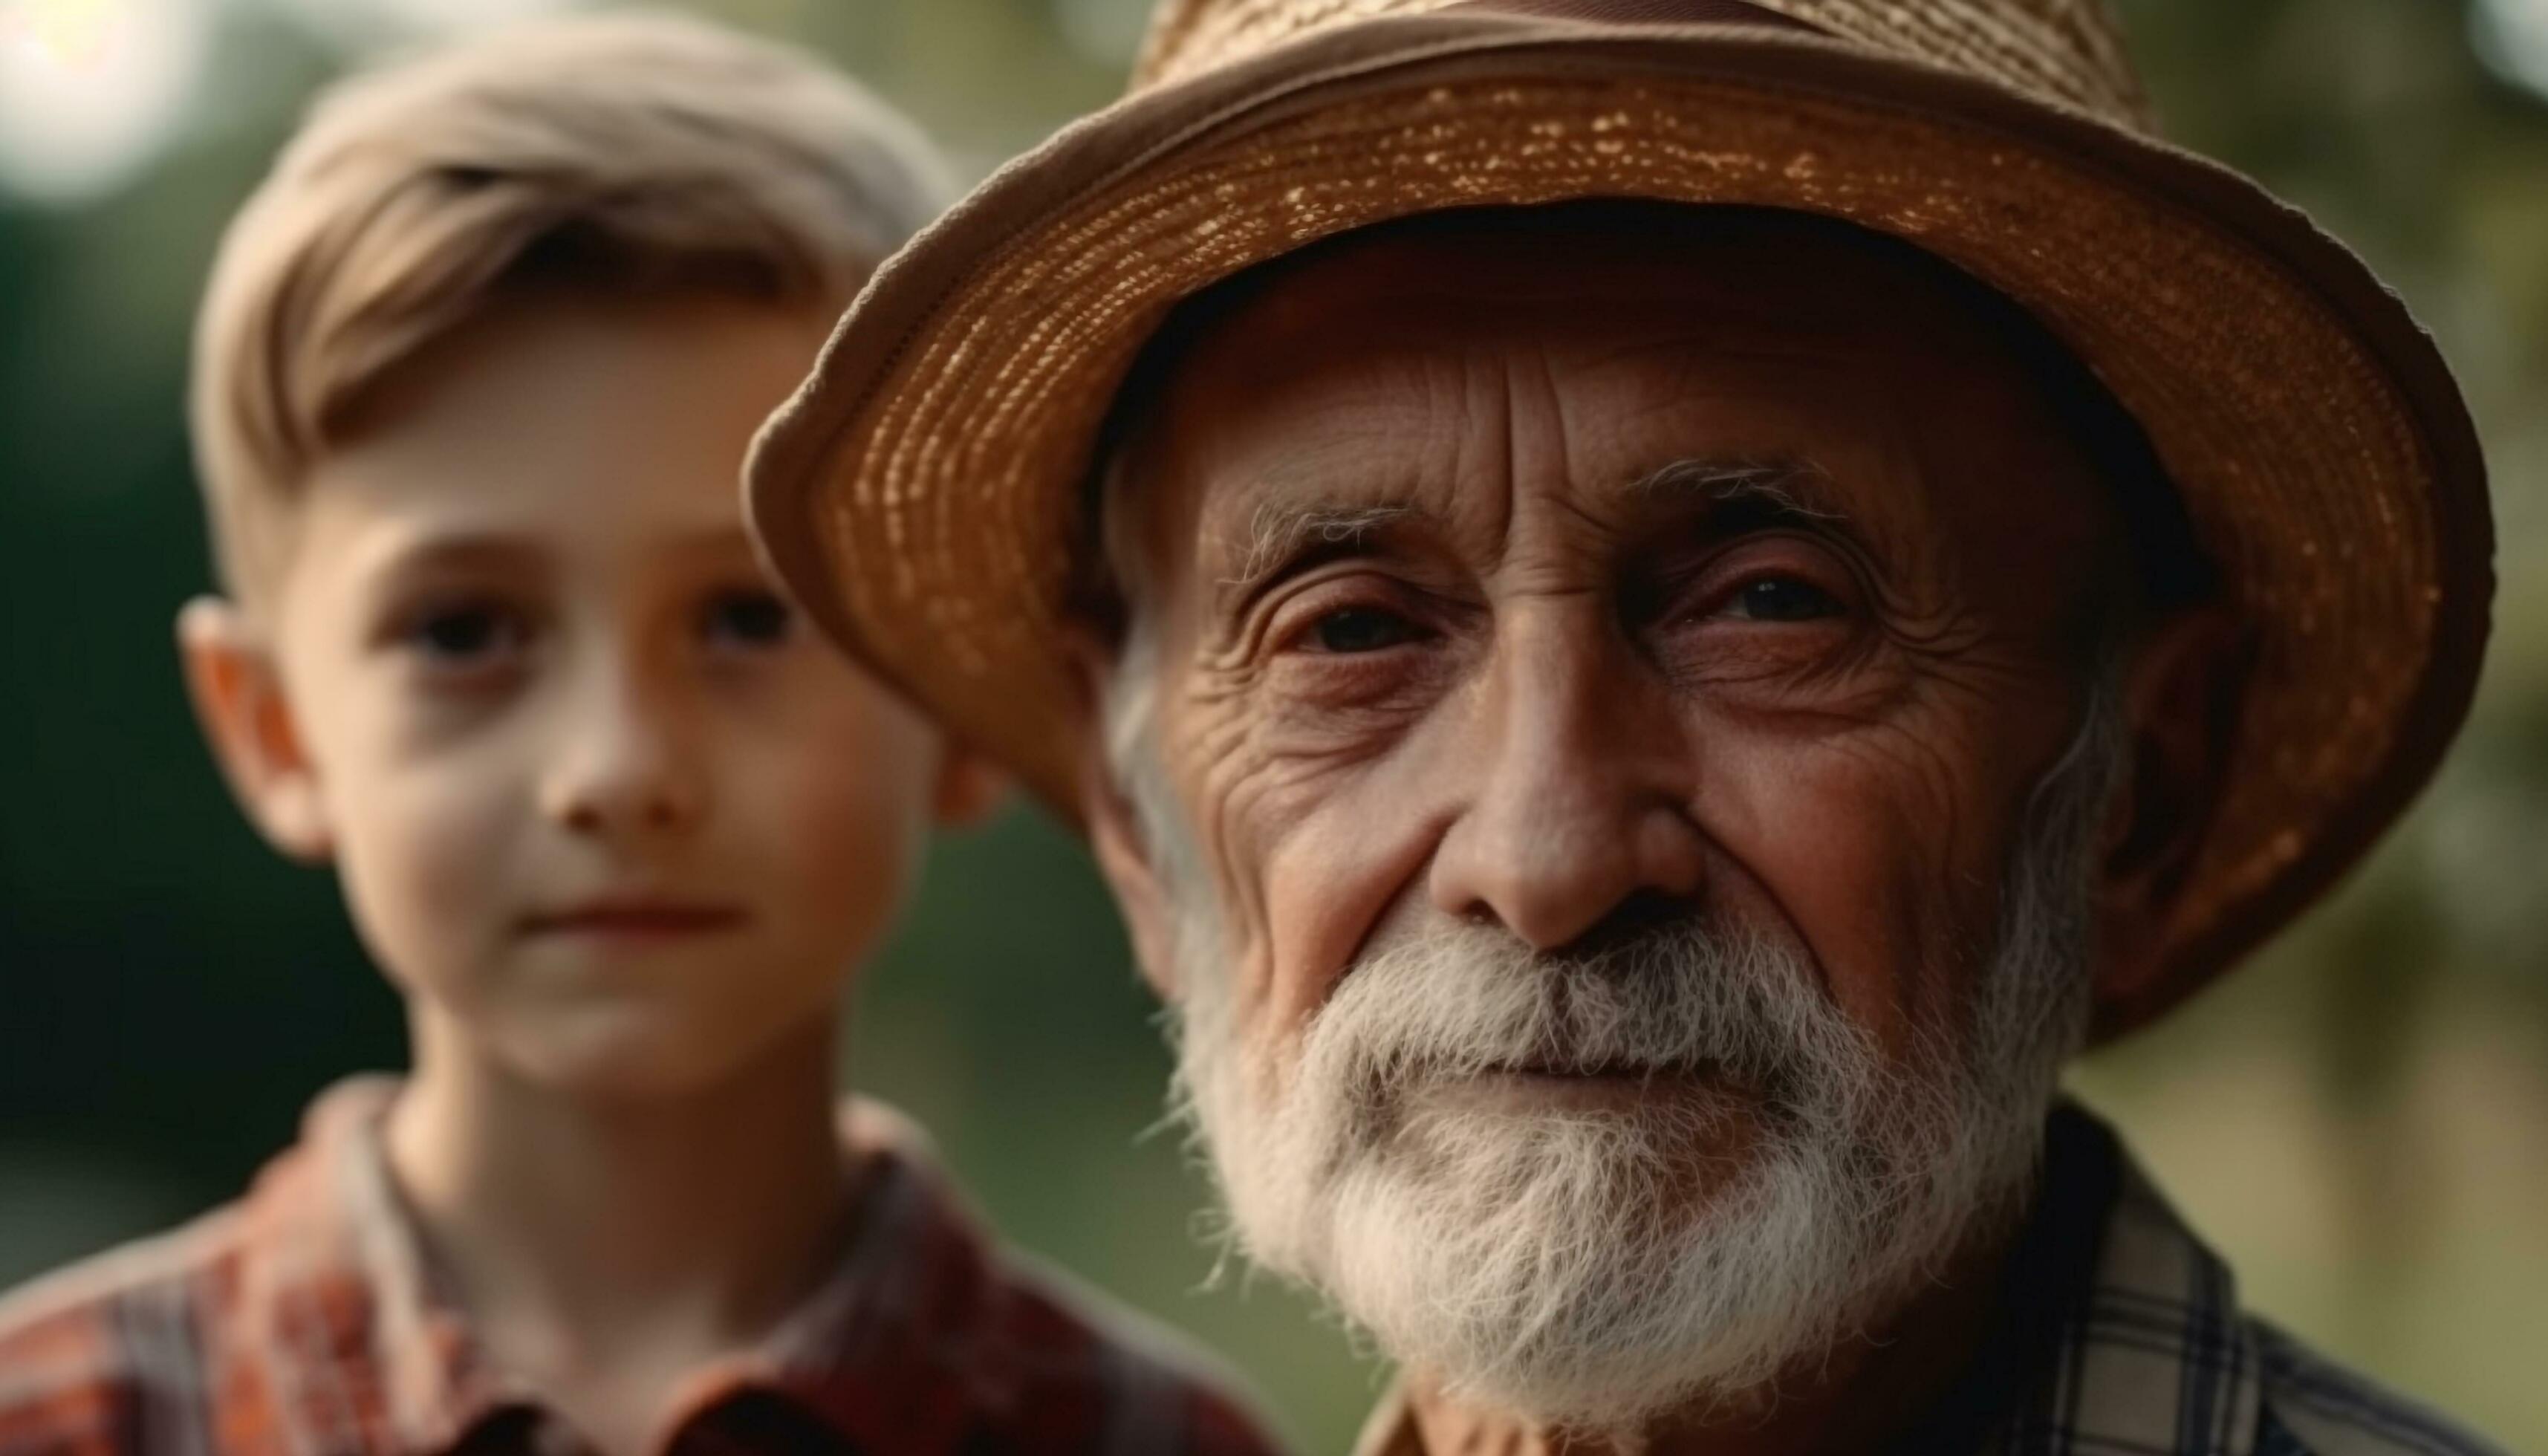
(592, 1234)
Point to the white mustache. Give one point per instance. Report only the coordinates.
(1680, 997)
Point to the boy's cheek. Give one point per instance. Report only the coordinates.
(848, 820)
(430, 872)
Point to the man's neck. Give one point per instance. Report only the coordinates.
(1860, 1399)
(597, 1236)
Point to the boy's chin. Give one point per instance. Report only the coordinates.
(653, 1053)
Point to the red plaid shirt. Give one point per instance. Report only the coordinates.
(304, 1320)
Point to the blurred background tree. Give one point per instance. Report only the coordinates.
(2360, 1118)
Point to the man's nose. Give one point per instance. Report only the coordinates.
(623, 765)
(1580, 799)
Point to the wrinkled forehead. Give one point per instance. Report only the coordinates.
(1392, 368)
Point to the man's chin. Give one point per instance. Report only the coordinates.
(1591, 1321)
(1571, 1246)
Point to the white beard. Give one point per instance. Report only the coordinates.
(1592, 1269)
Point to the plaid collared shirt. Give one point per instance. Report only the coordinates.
(2123, 1338)
(304, 1321)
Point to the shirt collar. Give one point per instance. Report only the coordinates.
(2155, 1353)
(2123, 1333)
(352, 1325)
(367, 1348)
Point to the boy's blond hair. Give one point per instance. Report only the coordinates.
(629, 151)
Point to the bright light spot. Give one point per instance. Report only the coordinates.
(89, 89)
(2513, 36)
(368, 24)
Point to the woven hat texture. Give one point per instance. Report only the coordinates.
(922, 493)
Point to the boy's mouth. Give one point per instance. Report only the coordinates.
(639, 917)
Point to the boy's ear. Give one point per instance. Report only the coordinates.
(2180, 712)
(238, 699)
(1116, 837)
(969, 786)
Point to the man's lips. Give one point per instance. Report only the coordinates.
(1540, 1085)
(1602, 1072)
(634, 918)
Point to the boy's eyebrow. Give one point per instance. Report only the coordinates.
(725, 538)
(426, 550)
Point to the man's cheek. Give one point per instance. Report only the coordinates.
(1326, 861)
(1851, 854)
(1326, 892)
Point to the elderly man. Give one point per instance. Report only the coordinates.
(1655, 611)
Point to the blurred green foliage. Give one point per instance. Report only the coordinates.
(171, 994)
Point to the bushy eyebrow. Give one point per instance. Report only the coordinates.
(1793, 489)
(1739, 496)
(1279, 532)
(1736, 497)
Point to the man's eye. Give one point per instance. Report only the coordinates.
(1782, 599)
(745, 618)
(468, 635)
(1361, 629)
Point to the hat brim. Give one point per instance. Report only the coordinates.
(922, 493)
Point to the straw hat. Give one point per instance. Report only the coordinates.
(922, 493)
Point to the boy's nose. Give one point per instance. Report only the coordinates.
(623, 770)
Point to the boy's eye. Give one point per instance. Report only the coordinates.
(1356, 629)
(1782, 599)
(753, 618)
(468, 634)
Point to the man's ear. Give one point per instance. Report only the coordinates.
(1116, 835)
(2180, 714)
(238, 699)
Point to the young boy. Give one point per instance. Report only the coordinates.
(475, 376)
